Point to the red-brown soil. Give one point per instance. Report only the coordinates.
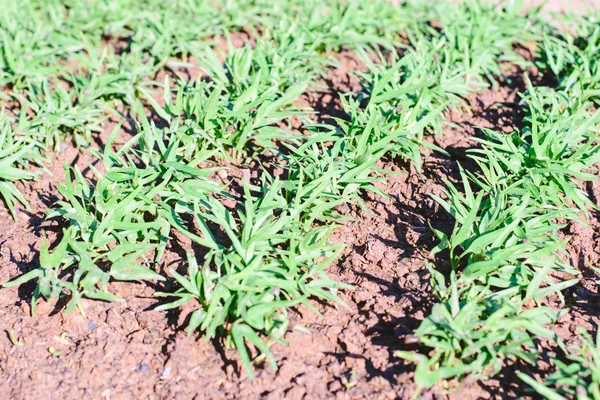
(128, 351)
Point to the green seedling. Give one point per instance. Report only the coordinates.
(115, 223)
(577, 376)
(505, 249)
(273, 261)
(19, 152)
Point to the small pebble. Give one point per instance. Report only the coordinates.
(144, 368)
(92, 326)
(166, 373)
(411, 340)
(222, 174)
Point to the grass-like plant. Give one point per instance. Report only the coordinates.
(19, 153)
(271, 261)
(576, 376)
(118, 219)
(505, 249)
(249, 98)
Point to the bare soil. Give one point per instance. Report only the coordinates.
(128, 351)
